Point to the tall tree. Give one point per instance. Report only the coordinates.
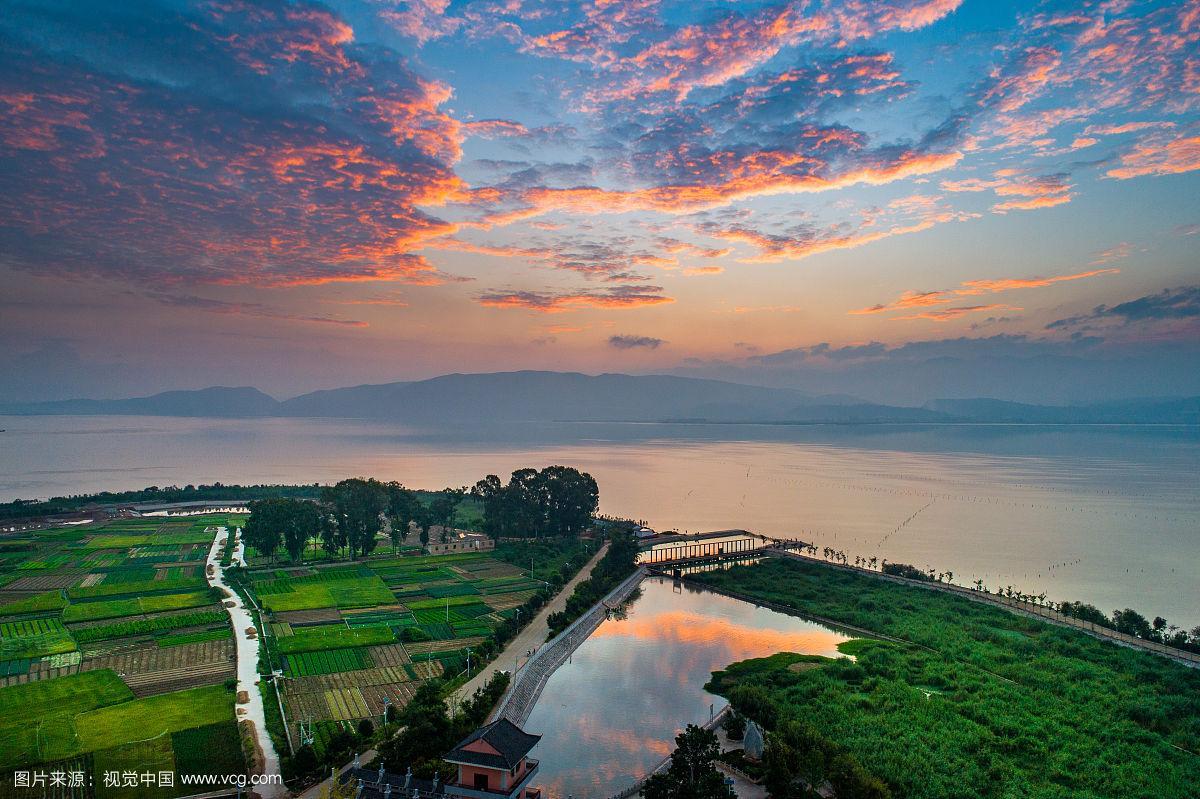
(265, 528)
(570, 498)
(401, 510)
(303, 522)
(444, 508)
(693, 773)
(357, 507)
(496, 505)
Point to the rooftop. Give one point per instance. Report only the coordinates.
(510, 742)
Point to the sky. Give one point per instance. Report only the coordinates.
(831, 195)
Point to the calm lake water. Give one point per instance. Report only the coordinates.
(612, 713)
(1110, 515)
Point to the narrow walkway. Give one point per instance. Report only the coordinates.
(527, 684)
(247, 660)
(533, 635)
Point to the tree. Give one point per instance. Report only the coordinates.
(444, 508)
(303, 522)
(425, 733)
(264, 529)
(734, 725)
(1131, 622)
(570, 499)
(692, 773)
(401, 510)
(558, 500)
(357, 507)
(496, 501)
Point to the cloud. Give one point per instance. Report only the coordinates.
(609, 260)
(1156, 157)
(1182, 303)
(242, 144)
(423, 20)
(971, 288)
(623, 342)
(252, 309)
(1114, 253)
(1043, 191)
(615, 298)
(913, 214)
(948, 314)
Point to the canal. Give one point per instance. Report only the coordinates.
(611, 713)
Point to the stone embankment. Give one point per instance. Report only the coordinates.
(528, 682)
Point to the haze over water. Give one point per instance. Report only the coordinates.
(1109, 515)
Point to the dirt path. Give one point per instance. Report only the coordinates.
(247, 662)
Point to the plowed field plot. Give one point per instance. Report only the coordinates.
(151, 670)
(451, 645)
(389, 655)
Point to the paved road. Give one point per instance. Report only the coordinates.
(247, 661)
(532, 635)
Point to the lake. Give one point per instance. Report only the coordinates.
(1108, 514)
(611, 714)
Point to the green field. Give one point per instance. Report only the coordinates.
(977, 702)
(131, 592)
(33, 638)
(326, 637)
(406, 617)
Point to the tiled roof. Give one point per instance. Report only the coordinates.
(507, 738)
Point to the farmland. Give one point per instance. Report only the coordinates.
(352, 639)
(114, 652)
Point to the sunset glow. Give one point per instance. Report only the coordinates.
(299, 195)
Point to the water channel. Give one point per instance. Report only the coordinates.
(611, 713)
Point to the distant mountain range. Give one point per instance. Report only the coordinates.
(569, 396)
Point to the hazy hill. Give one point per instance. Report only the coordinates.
(569, 396)
(215, 401)
(1148, 411)
(549, 396)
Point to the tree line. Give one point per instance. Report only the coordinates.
(557, 500)
(348, 518)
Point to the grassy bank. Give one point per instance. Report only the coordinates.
(978, 703)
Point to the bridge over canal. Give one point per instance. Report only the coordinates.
(674, 550)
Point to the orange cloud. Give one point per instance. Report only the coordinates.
(617, 298)
(1128, 127)
(1154, 158)
(1032, 203)
(694, 271)
(1113, 253)
(970, 288)
(947, 314)
(758, 176)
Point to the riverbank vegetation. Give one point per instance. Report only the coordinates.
(973, 701)
(1127, 621)
(618, 563)
(692, 773)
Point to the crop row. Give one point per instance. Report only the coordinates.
(326, 662)
(148, 626)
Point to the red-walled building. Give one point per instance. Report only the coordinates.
(493, 762)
